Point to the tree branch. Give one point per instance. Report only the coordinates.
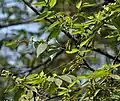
(35, 10)
(17, 23)
(70, 36)
(88, 66)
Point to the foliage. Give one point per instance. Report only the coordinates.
(65, 67)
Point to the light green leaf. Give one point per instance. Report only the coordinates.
(42, 3)
(99, 73)
(115, 66)
(46, 1)
(62, 92)
(72, 77)
(73, 83)
(83, 76)
(97, 91)
(77, 32)
(51, 79)
(42, 16)
(32, 76)
(52, 3)
(42, 74)
(117, 77)
(41, 48)
(66, 78)
(79, 4)
(58, 82)
(74, 50)
(53, 25)
(11, 43)
(86, 41)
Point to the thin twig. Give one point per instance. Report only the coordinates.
(115, 60)
(17, 23)
(88, 66)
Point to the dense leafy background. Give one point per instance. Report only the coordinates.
(59, 50)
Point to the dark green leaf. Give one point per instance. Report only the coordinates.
(43, 15)
(18, 94)
(55, 32)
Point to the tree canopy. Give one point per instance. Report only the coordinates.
(59, 50)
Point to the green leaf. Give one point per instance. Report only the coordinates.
(115, 66)
(52, 3)
(116, 22)
(41, 48)
(66, 78)
(99, 73)
(86, 41)
(51, 79)
(83, 76)
(77, 32)
(18, 94)
(42, 16)
(79, 5)
(31, 76)
(52, 88)
(58, 82)
(62, 92)
(117, 77)
(118, 1)
(73, 83)
(53, 25)
(42, 3)
(55, 32)
(74, 50)
(46, 1)
(72, 77)
(42, 74)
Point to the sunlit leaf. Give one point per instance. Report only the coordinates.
(73, 83)
(32, 76)
(115, 66)
(84, 76)
(74, 50)
(41, 48)
(51, 79)
(86, 41)
(42, 3)
(79, 4)
(42, 74)
(46, 1)
(99, 73)
(52, 3)
(117, 77)
(62, 92)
